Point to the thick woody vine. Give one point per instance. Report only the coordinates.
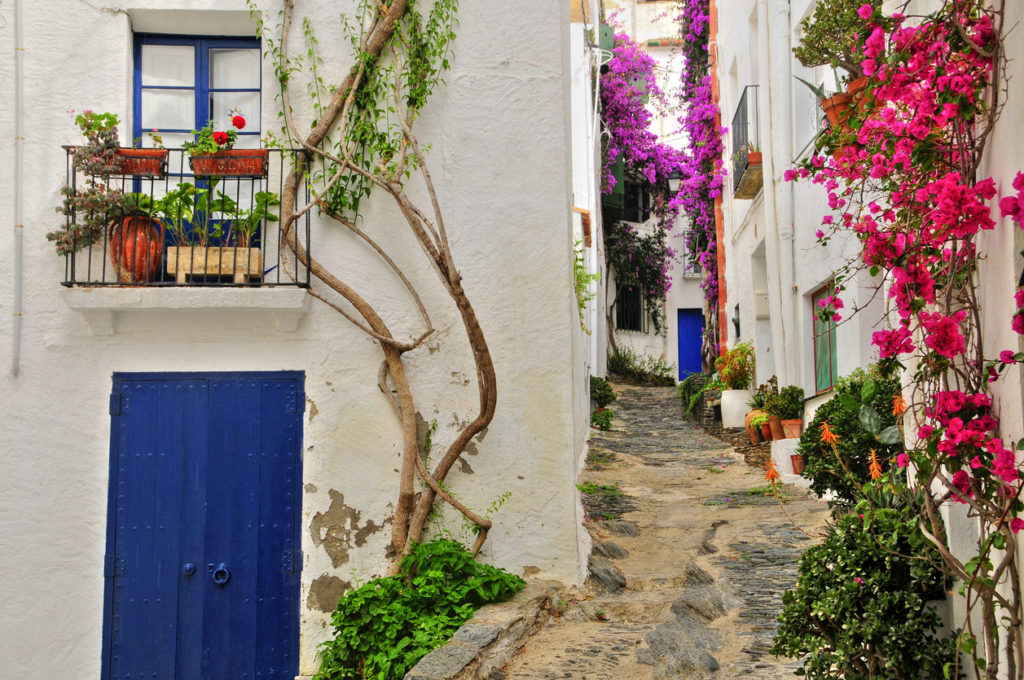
(362, 141)
(901, 172)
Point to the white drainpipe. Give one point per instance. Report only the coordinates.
(19, 227)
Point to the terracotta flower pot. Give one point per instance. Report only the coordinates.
(776, 428)
(754, 158)
(798, 463)
(751, 430)
(136, 249)
(792, 427)
(231, 163)
(766, 432)
(145, 162)
(836, 108)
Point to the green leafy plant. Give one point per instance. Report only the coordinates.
(736, 366)
(759, 420)
(861, 416)
(601, 418)
(607, 490)
(209, 140)
(582, 280)
(601, 393)
(788, 404)
(384, 627)
(860, 606)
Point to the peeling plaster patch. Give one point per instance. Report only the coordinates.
(325, 592)
(433, 349)
(313, 410)
(480, 436)
(421, 433)
(471, 448)
(520, 477)
(310, 487)
(464, 466)
(338, 530)
(530, 571)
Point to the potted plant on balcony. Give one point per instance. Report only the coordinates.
(788, 407)
(102, 155)
(735, 369)
(213, 236)
(212, 153)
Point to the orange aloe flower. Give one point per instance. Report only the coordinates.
(771, 472)
(827, 435)
(898, 405)
(875, 468)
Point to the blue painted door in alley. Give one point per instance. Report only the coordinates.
(203, 527)
(690, 326)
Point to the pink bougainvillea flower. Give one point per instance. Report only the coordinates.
(238, 122)
(903, 460)
(1016, 524)
(865, 12)
(858, 580)
(1008, 356)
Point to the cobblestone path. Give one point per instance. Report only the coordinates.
(690, 558)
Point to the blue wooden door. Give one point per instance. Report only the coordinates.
(203, 531)
(690, 332)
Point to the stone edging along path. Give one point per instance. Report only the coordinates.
(688, 568)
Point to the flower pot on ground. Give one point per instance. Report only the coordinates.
(136, 249)
(734, 408)
(792, 427)
(775, 427)
(752, 424)
(141, 162)
(766, 432)
(798, 463)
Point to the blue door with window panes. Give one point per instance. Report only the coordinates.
(202, 565)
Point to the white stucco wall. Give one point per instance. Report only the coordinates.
(500, 156)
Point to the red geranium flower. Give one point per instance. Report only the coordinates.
(238, 122)
(220, 137)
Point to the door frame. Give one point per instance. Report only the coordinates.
(109, 563)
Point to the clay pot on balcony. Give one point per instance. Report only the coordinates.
(231, 163)
(136, 249)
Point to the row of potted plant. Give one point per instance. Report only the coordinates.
(212, 234)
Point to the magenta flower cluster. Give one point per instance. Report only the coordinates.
(626, 87)
(703, 170)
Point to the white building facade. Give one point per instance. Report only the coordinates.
(266, 369)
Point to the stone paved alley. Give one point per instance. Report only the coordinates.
(705, 557)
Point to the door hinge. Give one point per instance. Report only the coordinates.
(115, 404)
(292, 561)
(113, 565)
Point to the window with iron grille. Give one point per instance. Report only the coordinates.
(637, 202)
(629, 309)
(825, 355)
(691, 266)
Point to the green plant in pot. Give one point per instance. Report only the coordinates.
(735, 369)
(788, 407)
(212, 153)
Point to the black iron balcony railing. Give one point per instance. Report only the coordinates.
(746, 141)
(164, 225)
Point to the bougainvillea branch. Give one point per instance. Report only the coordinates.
(703, 171)
(901, 176)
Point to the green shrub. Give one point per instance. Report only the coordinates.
(601, 393)
(641, 369)
(387, 625)
(859, 609)
(853, 425)
(601, 418)
(788, 404)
